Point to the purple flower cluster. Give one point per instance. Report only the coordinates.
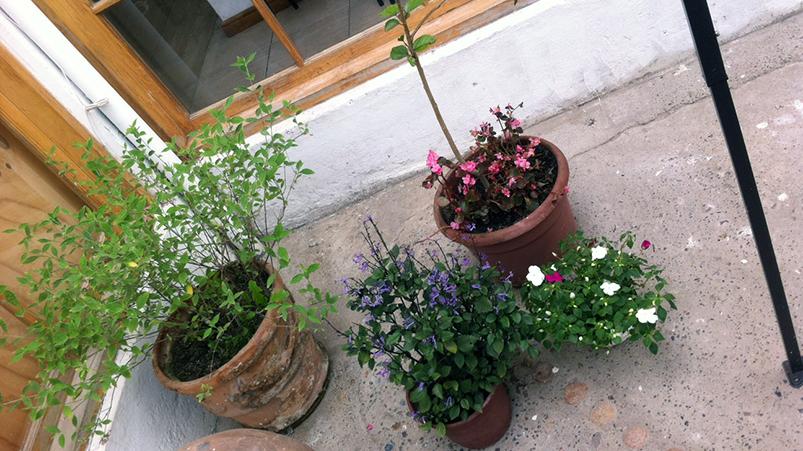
(442, 291)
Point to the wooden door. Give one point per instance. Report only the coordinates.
(28, 192)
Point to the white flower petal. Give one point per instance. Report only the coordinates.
(599, 252)
(647, 315)
(535, 276)
(610, 288)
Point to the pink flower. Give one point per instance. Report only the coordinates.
(496, 110)
(645, 245)
(494, 168)
(554, 277)
(469, 166)
(455, 225)
(511, 182)
(566, 189)
(432, 162)
(514, 123)
(370, 427)
(468, 180)
(522, 162)
(506, 192)
(474, 132)
(535, 141)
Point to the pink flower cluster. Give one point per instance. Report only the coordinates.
(503, 175)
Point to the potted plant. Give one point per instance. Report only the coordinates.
(599, 294)
(445, 330)
(189, 252)
(507, 198)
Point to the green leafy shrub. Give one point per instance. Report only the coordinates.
(193, 235)
(598, 294)
(444, 329)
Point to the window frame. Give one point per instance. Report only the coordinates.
(320, 77)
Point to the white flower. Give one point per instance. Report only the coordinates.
(610, 288)
(647, 315)
(535, 276)
(599, 252)
(572, 295)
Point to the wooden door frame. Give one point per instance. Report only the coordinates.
(50, 132)
(44, 125)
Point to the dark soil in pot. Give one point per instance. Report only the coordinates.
(545, 166)
(273, 382)
(194, 358)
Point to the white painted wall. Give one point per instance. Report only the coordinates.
(551, 55)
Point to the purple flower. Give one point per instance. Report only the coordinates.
(470, 227)
(476, 286)
(409, 322)
(369, 318)
(465, 261)
(418, 417)
(421, 386)
(361, 262)
(449, 402)
(485, 265)
(502, 297)
(431, 340)
(371, 301)
(384, 371)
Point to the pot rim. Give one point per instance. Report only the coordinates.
(493, 394)
(520, 227)
(263, 333)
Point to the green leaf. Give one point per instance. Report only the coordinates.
(440, 429)
(399, 52)
(423, 42)
(412, 5)
(451, 347)
(391, 24)
(390, 11)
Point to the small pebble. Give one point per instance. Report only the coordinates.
(543, 372)
(575, 393)
(603, 414)
(635, 437)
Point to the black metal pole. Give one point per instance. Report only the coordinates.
(705, 39)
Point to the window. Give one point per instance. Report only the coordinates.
(175, 55)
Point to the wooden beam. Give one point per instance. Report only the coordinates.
(100, 43)
(102, 5)
(249, 17)
(278, 30)
(362, 57)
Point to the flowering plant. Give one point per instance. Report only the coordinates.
(598, 294)
(504, 178)
(445, 329)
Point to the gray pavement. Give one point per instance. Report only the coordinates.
(647, 157)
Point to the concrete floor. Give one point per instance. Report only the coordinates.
(648, 157)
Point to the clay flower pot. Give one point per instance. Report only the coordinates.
(532, 240)
(274, 382)
(246, 440)
(481, 429)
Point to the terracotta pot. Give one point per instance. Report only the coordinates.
(481, 429)
(274, 382)
(246, 440)
(532, 240)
